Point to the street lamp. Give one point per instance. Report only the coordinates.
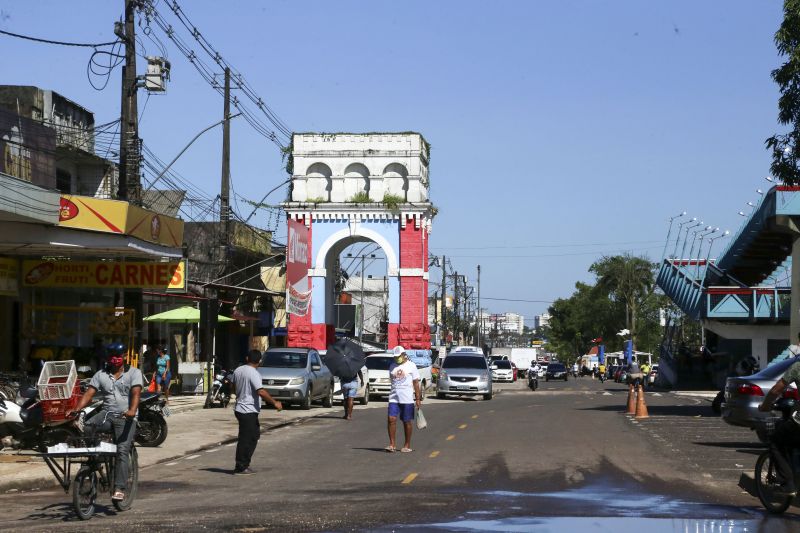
(711, 245)
(700, 233)
(686, 239)
(700, 250)
(678, 239)
(669, 232)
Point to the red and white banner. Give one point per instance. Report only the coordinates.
(298, 294)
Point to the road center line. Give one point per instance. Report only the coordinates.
(474, 417)
(434, 454)
(451, 437)
(192, 457)
(462, 426)
(409, 478)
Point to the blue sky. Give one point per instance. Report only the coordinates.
(560, 130)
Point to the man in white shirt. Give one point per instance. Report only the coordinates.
(404, 396)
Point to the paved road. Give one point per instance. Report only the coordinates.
(562, 451)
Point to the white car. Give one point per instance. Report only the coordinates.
(363, 393)
(502, 371)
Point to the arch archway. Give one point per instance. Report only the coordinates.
(319, 183)
(395, 180)
(358, 180)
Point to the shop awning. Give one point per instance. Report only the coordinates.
(39, 240)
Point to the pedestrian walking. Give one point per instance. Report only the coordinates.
(249, 392)
(163, 373)
(349, 392)
(404, 396)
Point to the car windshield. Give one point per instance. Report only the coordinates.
(777, 370)
(284, 360)
(464, 361)
(503, 364)
(555, 368)
(379, 363)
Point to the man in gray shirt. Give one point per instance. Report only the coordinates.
(249, 392)
(119, 390)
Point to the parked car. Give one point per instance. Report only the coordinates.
(502, 371)
(743, 395)
(380, 384)
(362, 395)
(556, 371)
(296, 376)
(464, 374)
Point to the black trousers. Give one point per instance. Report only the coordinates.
(249, 433)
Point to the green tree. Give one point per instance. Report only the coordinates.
(786, 147)
(626, 279)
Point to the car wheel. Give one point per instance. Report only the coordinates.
(365, 399)
(306, 403)
(327, 401)
(487, 396)
(440, 396)
(547, 379)
(565, 378)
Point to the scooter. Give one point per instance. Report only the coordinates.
(533, 380)
(152, 424)
(220, 390)
(23, 426)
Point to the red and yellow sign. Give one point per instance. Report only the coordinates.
(114, 216)
(105, 274)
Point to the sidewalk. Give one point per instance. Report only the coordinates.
(191, 430)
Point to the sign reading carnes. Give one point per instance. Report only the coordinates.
(105, 274)
(298, 295)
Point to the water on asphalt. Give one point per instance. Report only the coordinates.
(604, 505)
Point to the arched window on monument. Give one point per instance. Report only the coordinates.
(395, 180)
(319, 182)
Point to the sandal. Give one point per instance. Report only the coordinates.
(406, 450)
(390, 449)
(118, 495)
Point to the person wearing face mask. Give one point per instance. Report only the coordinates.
(119, 389)
(404, 396)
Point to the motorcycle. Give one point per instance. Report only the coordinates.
(220, 390)
(23, 426)
(533, 380)
(152, 425)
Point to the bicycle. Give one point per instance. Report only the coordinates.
(769, 481)
(97, 459)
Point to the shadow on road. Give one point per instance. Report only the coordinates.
(382, 450)
(757, 447)
(218, 471)
(688, 411)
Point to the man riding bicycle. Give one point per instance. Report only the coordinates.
(787, 435)
(119, 390)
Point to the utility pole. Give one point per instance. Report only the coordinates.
(466, 316)
(361, 329)
(444, 302)
(456, 309)
(225, 186)
(480, 313)
(130, 186)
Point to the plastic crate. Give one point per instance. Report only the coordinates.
(56, 410)
(57, 380)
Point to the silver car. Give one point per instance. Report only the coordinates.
(743, 395)
(296, 375)
(464, 374)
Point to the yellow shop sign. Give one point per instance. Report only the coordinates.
(105, 274)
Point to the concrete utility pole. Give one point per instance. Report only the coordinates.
(130, 186)
(225, 186)
(456, 309)
(480, 313)
(466, 316)
(444, 302)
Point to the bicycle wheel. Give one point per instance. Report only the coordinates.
(768, 483)
(133, 483)
(84, 492)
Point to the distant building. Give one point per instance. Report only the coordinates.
(506, 323)
(541, 321)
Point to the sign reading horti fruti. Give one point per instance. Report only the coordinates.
(9, 276)
(114, 216)
(105, 274)
(298, 295)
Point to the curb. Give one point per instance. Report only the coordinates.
(48, 481)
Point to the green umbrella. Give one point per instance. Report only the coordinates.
(182, 315)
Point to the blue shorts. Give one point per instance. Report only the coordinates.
(350, 389)
(404, 410)
(165, 380)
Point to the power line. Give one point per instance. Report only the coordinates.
(517, 300)
(521, 246)
(595, 252)
(61, 43)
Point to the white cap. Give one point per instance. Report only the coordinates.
(398, 350)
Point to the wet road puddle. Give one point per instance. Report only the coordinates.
(602, 506)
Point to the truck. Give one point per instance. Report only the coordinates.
(522, 357)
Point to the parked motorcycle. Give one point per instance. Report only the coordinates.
(220, 390)
(152, 425)
(23, 426)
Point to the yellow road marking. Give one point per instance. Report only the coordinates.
(434, 454)
(451, 437)
(409, 478)
(474, 417)
(462, 426)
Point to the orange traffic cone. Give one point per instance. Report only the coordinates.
(641, 407)
(631, 400)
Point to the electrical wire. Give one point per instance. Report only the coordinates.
(60, 43)
(521, 246)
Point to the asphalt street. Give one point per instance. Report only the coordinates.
(562, 452)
